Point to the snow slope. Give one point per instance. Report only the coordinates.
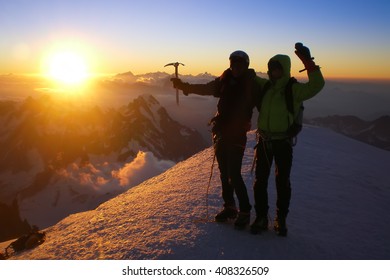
(339, 210)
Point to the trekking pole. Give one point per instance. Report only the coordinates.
(208, 188)
(255, 151)
(254, 159)
(206, 219)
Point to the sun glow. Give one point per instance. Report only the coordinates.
(67, 67)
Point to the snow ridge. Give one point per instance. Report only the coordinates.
(340, 196)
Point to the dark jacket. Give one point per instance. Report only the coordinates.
(236, 102)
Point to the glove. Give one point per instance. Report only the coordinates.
(178, 84)
(303, 53)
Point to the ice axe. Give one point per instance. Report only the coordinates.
(176, 64)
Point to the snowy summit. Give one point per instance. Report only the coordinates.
(339, 210)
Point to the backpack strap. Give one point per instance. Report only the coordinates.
(289, 95)
(259, 98)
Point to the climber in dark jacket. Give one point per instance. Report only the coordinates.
(236, 89)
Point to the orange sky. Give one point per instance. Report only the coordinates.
(346, 38)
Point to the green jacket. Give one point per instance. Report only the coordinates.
(274, 118)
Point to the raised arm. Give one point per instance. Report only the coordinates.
(200, 89)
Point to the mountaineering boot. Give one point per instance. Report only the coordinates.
(260, 223)
(226, 214)
(280, 225)
(242, 220)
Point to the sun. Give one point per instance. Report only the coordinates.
(67, 67)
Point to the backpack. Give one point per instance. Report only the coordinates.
(25, 242)
(296, 126)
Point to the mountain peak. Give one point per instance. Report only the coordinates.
(374, 132)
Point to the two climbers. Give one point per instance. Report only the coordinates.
(239, 90)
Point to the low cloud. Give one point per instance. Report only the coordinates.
(100, 178)
(144, 166)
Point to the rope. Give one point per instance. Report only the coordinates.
(265, 143)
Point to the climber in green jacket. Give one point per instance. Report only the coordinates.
(275, 141)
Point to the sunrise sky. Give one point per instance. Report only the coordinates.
(349, 39)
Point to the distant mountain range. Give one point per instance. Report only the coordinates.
(376, 132)
(45, 141)
(158, 78)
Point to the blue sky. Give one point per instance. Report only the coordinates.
(347, 38)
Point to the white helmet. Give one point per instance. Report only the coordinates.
(240, 54)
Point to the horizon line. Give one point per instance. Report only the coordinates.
(101, 74)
